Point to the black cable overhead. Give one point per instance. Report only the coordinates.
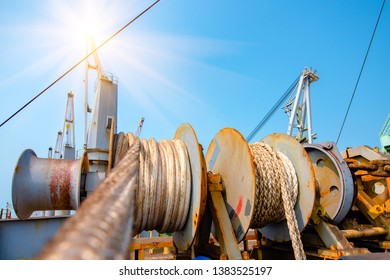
(79, 62)
(272, 111)
(361, 71)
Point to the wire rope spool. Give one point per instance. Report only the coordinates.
(231, 156)
(183, 239)
(335, 188)
(171, 193)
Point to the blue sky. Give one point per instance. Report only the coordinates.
(213, 64)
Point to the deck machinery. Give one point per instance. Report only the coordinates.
(273, 199)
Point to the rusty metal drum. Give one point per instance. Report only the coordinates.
(45, 184)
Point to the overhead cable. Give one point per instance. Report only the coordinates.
(78, 63)
(361, 71)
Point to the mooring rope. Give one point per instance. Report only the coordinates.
(276, 186)
(162, 199)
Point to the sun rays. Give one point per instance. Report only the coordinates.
(156, 71)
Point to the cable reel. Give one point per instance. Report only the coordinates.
(230, 156)
(183, 239)
(172, 189)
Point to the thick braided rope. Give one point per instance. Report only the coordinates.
(288, 206)
(268, 195)
(164, 190)
(276, 185)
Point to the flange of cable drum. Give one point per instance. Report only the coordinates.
(245, 169)
(335, 187)
(172, 190)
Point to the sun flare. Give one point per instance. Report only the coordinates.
(147, 71)
(92, 27)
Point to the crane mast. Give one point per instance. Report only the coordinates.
(103, 113)
(70, 143)
(299, 109)
(67, 151)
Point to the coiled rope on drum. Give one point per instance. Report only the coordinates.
(162, 198)
(276, 185)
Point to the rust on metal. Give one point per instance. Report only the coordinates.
(151, 243)
(335, 189)
(229, 155)
(185, 238)
(385, 245)
(245, 255)
(60, 185)
(369, 178)
(373, 167)
(336, 254)
(17, 168)
(374, 231)
(85, 163)
(55, 185)
(83, 237)
(195, 219)
(111, 147)
(372, 173)
(214, 182)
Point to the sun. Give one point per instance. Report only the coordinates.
(144, 69)
(74, 23)
(92, 28)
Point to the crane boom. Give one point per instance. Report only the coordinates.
(272, 110)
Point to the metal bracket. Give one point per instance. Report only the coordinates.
(332, 236)
(214, 182)
(224, 229)
(318, 214)
(365, 203)
(375, 211)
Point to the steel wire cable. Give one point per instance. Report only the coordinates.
(162, 199)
